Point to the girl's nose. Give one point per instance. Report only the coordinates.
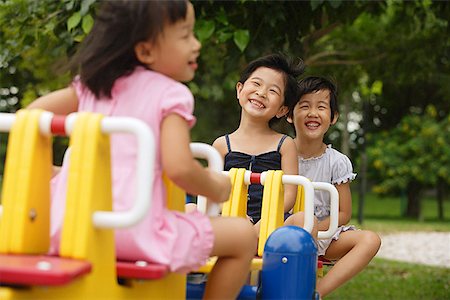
(312, 113)
(197, 44)
(261, 93)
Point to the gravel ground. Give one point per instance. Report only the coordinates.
(428, 248)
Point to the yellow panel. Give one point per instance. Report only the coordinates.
(206, 268)
(239, 198)
(89, 190)
(226, 207)
(176, 197)
(300, 200)
(24, 227)
(265, 211)
(272, 212)
(173, 286)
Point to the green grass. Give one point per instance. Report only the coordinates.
(385, 215)
(384, 279)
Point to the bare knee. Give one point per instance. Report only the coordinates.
(298, 219)
(372, 240)
(233, 237)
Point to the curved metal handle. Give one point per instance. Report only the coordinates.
(145, 163)
(334, 208)
(309, 197)
(215, 163)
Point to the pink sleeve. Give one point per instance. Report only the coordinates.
(78, 86)
(179, 100)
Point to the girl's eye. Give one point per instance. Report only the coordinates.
(274, 91)
(256, 83)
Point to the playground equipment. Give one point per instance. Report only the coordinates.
(300, 241)
(86, 267)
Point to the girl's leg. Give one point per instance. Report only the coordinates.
(235, 246)
(298, 219)
(354, 249)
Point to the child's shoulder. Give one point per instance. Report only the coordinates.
(220, 144)
(337, 158)
(286, 143)
(336, 154)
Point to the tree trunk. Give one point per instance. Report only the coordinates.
(345, 137)
(441, 193)
(413, 208)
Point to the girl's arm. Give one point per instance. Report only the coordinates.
(289, 166)
(61, 102)
(345, 206)
(181, 167)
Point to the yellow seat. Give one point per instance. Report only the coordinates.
(272, 212)
(88, 191)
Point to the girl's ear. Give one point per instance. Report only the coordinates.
(335, 118)
(282, 111)
(289, 119)
(239, 87)
(144, 53)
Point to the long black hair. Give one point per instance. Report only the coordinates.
(107, 52)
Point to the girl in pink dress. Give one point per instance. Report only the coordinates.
(131, 64)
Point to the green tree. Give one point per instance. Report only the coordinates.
(412, 156)
(402, 44)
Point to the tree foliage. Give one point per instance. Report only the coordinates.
(412, 156)
(390, 57)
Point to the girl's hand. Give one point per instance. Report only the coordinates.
(223, 187)
(55, 170)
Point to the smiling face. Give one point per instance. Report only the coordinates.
(312, 115)
(262, 94)
(175, 51)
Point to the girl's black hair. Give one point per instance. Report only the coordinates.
(107, 52)
(283, 64)
(314, 84)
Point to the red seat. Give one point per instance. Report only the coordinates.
(40, 269)
(325, 262)
(54, 270)
(140, 270)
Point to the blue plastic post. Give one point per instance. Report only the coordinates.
(289, 265)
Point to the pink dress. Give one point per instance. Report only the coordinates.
(181, 241)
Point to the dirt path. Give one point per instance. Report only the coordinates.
(428, 248)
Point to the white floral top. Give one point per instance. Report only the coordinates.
(332, 167)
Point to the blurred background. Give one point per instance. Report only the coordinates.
(390, 60)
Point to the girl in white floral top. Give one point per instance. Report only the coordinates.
(312, 115)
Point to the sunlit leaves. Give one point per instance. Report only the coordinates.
(204, 29)
(241, 39)
(87, 23)
(73, 21)
(415, 151)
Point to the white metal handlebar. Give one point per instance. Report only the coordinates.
(215, 163)
(145, 162)
(334, 208)
(309, 198)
